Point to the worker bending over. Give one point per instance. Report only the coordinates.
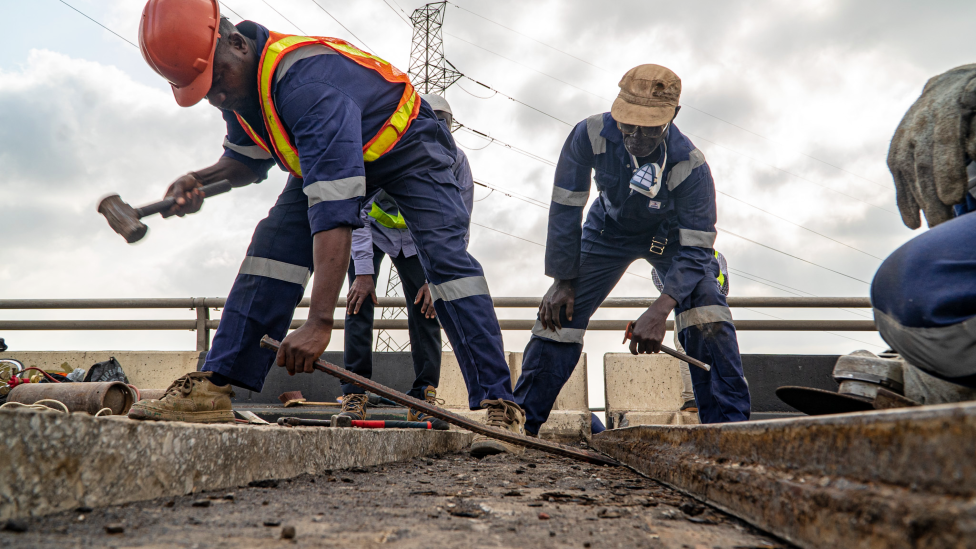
(385, 233)
(656, 202)
(924, 294)
(344, 124)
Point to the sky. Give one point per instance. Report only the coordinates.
(793, 105)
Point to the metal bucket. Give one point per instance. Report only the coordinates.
(78, 397)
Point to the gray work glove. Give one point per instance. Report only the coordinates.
(928, 152)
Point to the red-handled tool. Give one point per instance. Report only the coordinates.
(680, 356)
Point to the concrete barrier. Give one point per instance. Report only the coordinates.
(897, 479)
(51, 462)
(643, 390)
(145, 369)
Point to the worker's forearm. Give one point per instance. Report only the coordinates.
(331, 257)
(663, 305)
(236, 172)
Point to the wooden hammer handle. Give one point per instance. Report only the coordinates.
(212, 189)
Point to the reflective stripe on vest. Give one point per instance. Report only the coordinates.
(386, 219)
(385, 139)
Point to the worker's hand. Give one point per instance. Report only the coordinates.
(423, 296)
(301, 348)
(561, 294)
(189, 197)
(927, 157)
(650, 328)
(362, 287)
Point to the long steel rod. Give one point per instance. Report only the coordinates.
(500, 302)
(401, 324)
(493, 432)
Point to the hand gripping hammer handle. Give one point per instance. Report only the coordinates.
(667, 350)
(212, 189)
(494, 432)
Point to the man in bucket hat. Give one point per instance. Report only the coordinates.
(656, 202)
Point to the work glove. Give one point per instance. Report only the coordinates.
(927, 157)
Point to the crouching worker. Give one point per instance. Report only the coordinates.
(344, 124)
(924, 294)
(657, 203)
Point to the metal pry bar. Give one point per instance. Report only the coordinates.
(396, 396)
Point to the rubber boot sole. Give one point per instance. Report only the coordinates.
(489, 447)
(217, 416)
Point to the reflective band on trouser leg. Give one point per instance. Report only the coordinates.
(561, 335)
(702, 315)
(259, 266)
(458, 289)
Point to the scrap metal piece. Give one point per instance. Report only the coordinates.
(78, 397)
(452, 418)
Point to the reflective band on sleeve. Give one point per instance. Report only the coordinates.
(261, 266)
(702, 239)
(594, 125)
(340, 189)
(295, 56)
(460, 288)
(252, 151)
(570, 198)
(683, 169)
(702, 315)
(561, 335)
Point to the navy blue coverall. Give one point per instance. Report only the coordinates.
(924, 296)
(621, 227)
(331, 106)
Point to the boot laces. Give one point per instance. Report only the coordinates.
(184, 384)
(500, 412)
(355, 403)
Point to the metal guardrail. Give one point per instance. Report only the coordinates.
(203, 323)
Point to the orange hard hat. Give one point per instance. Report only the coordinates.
(178, 39)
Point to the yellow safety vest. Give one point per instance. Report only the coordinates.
(385, 139)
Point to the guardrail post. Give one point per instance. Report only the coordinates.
(203, 331)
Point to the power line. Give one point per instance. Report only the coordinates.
(285, 18)
(506, 145)
(507, 234)
(402, 17)
(231, 10)
(513, 194)
(759, 280)
(793, 256)
(523, 103)
(798, 225)
(720, 119)
(86, 16)
(360, 40)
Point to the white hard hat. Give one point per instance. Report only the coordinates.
(437, 103)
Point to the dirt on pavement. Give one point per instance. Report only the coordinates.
(535, 500)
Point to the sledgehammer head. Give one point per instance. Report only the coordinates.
(122, 218)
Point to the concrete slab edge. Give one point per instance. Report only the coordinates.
(51, 463)
(901, 478)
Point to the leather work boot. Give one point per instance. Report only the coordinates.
(504, 415)
(354, 406)
(191, 398)
(430, 395)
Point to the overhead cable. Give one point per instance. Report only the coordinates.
(86, 16)
(285, 18)
(513, 194)
(506, 145)
(360, 40)
(720, 119)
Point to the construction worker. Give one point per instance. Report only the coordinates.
(385, 233)
(344, 124)
(687, 388)
(924, 294)
(657, 203)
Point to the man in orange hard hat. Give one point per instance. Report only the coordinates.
(345, 124)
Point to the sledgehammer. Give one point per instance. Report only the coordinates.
(124, 219)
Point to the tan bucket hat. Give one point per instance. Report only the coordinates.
(648, 96)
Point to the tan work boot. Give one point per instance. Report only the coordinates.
(430, 395)
(354, 406)
(504, 415)
(191, 398)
